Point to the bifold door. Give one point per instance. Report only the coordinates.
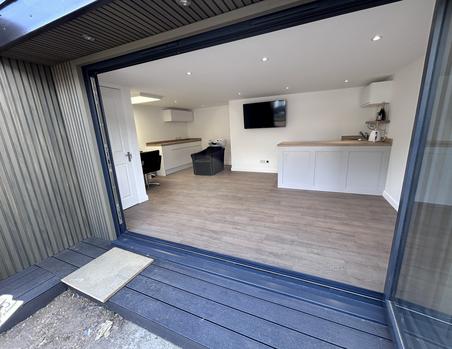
(421, 287)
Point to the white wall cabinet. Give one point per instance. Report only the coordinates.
(347, 169)
(177, 115)
(376, 93)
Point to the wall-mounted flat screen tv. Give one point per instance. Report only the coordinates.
(265, 114)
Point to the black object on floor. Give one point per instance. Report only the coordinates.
(208, 161)
(150, 163)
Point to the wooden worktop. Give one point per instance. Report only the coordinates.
(173, 141)
(339, 143)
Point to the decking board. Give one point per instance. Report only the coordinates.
(249, 325)
(295, 320)
(75, 258)
(196, 328)
(16, 277)
(35, 299)
(264, 280)
(57, 267)
(24, 284)
(39, 284)
(290, 303)
(199, 302)
(35, 288)
(88, 249)
(155, 327)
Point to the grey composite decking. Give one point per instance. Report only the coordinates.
(197, 301)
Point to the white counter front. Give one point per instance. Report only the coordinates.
(349, 168)
(176, 156)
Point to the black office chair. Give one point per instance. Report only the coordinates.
(150, 162)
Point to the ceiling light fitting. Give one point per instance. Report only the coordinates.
(184, 3)
(88, 37)
(144, 98)
(376, 37)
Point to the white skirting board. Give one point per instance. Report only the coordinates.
(250, 169)
(391, 200)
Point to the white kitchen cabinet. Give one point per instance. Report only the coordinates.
(176, 157)
(177, 115)
(330, 167)
(298, 168)
(377, 93)
(347, 169)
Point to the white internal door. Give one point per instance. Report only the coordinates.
(118, 130)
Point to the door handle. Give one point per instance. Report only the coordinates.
(129, 156)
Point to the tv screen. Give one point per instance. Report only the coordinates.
(265, 114)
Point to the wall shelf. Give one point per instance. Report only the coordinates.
(374, 122)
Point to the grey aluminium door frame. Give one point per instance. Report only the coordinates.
(106, 155)
(424, 112)
(417, 146)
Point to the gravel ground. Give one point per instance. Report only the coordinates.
(72, 321)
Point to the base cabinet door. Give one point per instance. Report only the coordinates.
(298, 169)
(366, 172)
(330, 170)
(358, 170)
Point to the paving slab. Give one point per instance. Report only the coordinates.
(101, 278)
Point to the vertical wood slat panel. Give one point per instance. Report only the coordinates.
(81, 140)
(43, 203)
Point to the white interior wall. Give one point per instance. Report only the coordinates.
(321, 115)
(212, 123)
(209, 123)
(151, 127)
(406, 87)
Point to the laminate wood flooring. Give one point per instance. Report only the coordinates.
(343, 237)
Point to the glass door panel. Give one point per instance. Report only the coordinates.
(422, 299)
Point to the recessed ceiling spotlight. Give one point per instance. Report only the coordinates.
(345, 80)
(376, 37)
(88, 37)
(188, 73)
(287, 87)
(239, 93)
(175, 102)
(264, 59)
(184, 2)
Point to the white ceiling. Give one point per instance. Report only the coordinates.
(311, 57)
